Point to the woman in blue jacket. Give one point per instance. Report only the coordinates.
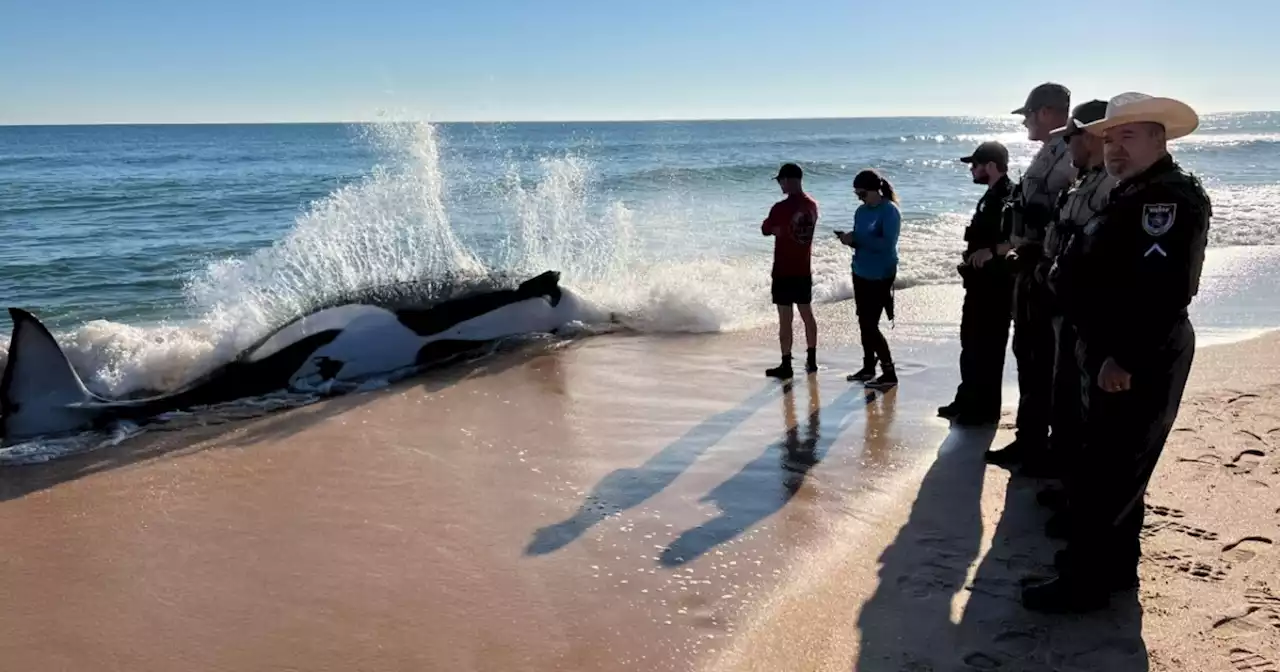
(874, 240)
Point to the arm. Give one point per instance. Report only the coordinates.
(773, 222)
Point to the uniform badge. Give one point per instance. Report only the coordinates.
(1157, 218)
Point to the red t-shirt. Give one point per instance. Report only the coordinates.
(791, 222)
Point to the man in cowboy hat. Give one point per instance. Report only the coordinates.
(1140, 263)
(1047, 108)
(1077, 205)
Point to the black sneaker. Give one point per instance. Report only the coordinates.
(867, 372)
(1012, 454)
(950, 411)
(886, 380)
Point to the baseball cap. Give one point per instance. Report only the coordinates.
(1085, 113)
(989, 152)
(1048, 94)
(789, 170)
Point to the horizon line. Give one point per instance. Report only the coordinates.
(537, 121)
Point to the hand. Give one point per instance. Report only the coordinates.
(1012, 256)
(845, 237)
(1112, 378)
(980, 257)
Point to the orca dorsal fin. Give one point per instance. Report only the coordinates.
(40, 392)
(546, 284)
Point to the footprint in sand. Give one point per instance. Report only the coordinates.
(1240, 626)
(1245, 550)
(1150, 529)
(1187, 564)
(1248, 661)
(1246, 461)
(1259, 596)
(1165, 511)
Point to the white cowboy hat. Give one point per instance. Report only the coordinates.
(1176, 116)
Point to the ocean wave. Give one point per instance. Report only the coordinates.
(395, 225)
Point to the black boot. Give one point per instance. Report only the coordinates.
(1067, 594)
(811, 361)
(887, 379)
(783, 371)
(1012, 454)
(867, 372)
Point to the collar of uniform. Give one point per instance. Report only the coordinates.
(1163, 164)
(1005, 183)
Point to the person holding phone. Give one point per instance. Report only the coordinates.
(874, 239)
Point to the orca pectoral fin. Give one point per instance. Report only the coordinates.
(40, 392)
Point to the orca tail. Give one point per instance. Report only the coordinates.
(40, 392)
(547, 284)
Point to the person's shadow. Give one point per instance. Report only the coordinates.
(767, 483)
(627, 488)
(908, 622)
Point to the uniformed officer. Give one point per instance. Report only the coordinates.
(1050, 173)
(988, 292)
(1076, 206)
(1140, 263)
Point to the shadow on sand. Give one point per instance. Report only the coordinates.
(201, 432)
(624, 489)
(765, 485)
(909, 623)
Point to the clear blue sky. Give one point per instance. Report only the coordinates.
(90, 61)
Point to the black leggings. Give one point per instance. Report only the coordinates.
(871, 298)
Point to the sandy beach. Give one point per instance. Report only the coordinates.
(634, 502)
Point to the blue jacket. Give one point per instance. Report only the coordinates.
(875, 240)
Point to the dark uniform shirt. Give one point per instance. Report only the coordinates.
(1137, 265)
(987, 229)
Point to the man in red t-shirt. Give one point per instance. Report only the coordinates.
(791, 222)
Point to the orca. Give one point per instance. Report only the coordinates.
(346, 340)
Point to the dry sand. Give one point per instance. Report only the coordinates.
(935, 586)
(580, 509)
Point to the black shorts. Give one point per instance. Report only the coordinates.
(793, 290)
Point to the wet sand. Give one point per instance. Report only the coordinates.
(540, 515)
(628, 502)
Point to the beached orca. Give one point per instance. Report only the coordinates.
(377, 331)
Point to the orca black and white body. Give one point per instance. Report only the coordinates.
(41, 394)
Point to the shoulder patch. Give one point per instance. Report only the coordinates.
(1157, 218)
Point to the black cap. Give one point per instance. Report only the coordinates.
(1085, 113)
(989, 152)
(789, 170)
(1048, 94)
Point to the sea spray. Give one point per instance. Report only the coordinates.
(394, 225)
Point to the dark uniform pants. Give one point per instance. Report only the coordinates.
(1066, 415)
(1035, 348)
(1124, 434)
(984, 336)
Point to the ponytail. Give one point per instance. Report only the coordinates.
(886, 190)
(870, 180)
